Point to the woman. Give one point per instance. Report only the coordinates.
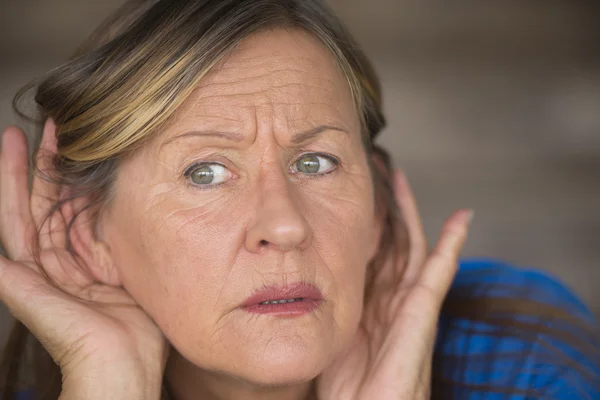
(212, 219)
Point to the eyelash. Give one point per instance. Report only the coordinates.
(334, 160)
(188, 171)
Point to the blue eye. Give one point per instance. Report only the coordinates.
(315, 164)
(207, 174)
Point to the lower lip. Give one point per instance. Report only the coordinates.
(285, 309)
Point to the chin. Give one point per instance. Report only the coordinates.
(280, 377)
(284, 365)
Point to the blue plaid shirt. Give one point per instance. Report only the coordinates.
(512, 360)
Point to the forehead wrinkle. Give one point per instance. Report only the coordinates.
(200, 110)
(263, 91)
(196, 108)
(288, 78)
(291, 72)
(271, 60)
(191, 119)
(235, 75)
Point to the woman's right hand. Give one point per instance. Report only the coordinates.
(104, 343)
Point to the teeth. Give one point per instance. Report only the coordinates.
(280, 301)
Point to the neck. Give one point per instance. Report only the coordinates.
(188, 382)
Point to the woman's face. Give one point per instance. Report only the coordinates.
(233, 196)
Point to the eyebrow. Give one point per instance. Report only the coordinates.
(311, 133)
(236, 137)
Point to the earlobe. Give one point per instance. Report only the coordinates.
(94, 253)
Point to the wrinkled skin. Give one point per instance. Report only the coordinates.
(190, 257)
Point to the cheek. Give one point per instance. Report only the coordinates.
(175, 257)
(342, 216)
(194, 248)
(343, 224)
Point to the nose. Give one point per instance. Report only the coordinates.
(279, 223)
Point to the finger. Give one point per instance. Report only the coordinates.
(425, 380)
(22, 290)
(419, 310)
(415, 318)
(15, 218)
(441, 266)
(410, 214)
(45, 310)
(410, 242)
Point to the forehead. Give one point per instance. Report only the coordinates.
(285, 72)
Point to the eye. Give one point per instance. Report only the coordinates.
(207, 174)
(315, 164)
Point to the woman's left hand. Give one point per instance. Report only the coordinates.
(392, 353)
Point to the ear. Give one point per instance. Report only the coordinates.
(376, 235)
(381, 174)
(85, 243)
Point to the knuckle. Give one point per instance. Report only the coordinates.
(429, 299)
(11, 167)
(424, 291)
(442, 254)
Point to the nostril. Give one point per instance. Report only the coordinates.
(263, 242)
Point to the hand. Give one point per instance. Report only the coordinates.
(392, 352)
(97, 334)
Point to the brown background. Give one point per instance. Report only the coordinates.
(491, 104)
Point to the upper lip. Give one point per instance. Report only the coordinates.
(303, 290)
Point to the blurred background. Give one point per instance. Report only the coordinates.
(493, 105)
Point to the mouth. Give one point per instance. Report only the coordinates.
(284, 308)
(295, 299)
